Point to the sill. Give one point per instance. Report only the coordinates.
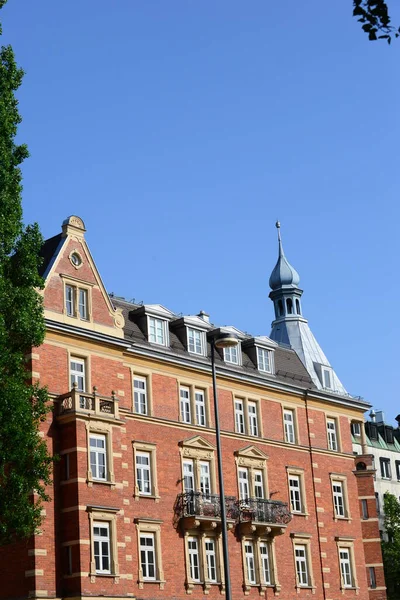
(159, 582)
(150, 497)
(300, 514)
(338, 518)
(90, 482)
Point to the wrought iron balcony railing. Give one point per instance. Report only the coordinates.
(208, 506)
(78, 401)
(273, 512)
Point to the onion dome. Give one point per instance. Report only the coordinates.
(283, 274)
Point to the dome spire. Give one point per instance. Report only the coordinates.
(283, 274)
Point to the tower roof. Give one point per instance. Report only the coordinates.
(283, 274)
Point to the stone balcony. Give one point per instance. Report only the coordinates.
(77, 402)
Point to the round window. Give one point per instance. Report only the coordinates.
(76, 259)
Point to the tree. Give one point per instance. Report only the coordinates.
(25, 464)
(391, 547)
(375, 19)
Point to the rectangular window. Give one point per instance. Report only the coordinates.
(188, 476)
(250, 566)
(356, 429)
(244, 491)
(195, 341)
(194, 562)
(98, 456)
(231, 355)
(258, 484)
(327, 378)
(332, 434)
(264, 360)
(239, 416)
(372, 577)
(140, 395)
(157, 331)
(253, 421)
(288, 420)
(386, 472)
(211, 562)
(378, 504)
(70, 300)
(205, 480)
(77, 374)
(295, 494)
(148, 556)
(200, 408)
(143, 472)
(265, 563)
(301, 564)
(186, 416)
(364, 508)
(83, 304)
(338, 499)
(345, 567)
(101, 543)
(398, 470)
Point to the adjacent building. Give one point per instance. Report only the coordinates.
(135, 507)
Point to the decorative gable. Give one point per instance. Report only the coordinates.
(251, 456)
(197, 447)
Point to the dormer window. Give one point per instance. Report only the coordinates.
(232, 355)
(196, 341)
(264, 360)
(157, 331)
(77, 302)
(327, 378)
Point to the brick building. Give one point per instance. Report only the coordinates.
(135, 507)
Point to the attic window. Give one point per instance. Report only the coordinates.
(157, 331)
(326, 378)
(76, 259)
(196, 341)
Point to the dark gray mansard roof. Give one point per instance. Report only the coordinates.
(288, 367)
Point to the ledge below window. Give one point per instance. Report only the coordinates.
(114, 576)
(143, 582)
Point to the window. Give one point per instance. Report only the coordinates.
(211, 559)
(157, 331)
(198, 468)
(232, 355)
(338, 499)
(252, 474)
(98, 457)
(398, 469)
(264, 360)
(144, 457)
(147, 556)
(140, 395)
(364, 509)
(288, 421)
(76, 302)
(258, 484)
(265, 562)
(301, 565)
(77, 373)
(196, 341)
(149, 551)
(244, 489)
(356, 429)
(332, 434)
(194, 563)
(188, 476)
(372, 577)
(327, 378)
(250, 566)
(345, 567)
(202, 561)
(295, 493)
(247, 417)
(378, 505)
(257, 564)
(102, 552)
(386, 472)
(205, 480)
(193, 406)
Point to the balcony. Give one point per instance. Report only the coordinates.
(263, 516)
(83, 403)
(195, 509)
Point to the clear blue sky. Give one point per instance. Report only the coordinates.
(180, 130)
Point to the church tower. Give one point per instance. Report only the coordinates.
(291, 328)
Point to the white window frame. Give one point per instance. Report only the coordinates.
(193, 543)
(232, 355)
(264, 360)
(150, 527)
(145, 552)
(259, 568)
(74, 308)
(100, 540)
(247, 416)
(338, 499)
(185, 404)
(203, 558)
(239, 416)
(70, 300)
(76, 375)
(211, 564)
(141, 470)
(140, 397)
(147, 449)
(253, 418)
(325, 372)
(265, 558)
(302, 574)
(244, 483)
(83, 307)
(200, 407)
(259, 489)
(289, 425)
(189, 473)
(356, 428)
(345, 567)
(193, 405)
(250, 562)
(97, 452)
(296, 505)
(196, 341)
(160, 334)
(332, 434)
(205, 477)
(385, 468)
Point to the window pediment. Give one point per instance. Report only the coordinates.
(251, 456)
(197, 447)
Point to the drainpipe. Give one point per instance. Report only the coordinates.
(315, 497)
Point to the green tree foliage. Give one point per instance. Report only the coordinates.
(391, 547)
(25, 465)
(375, 19)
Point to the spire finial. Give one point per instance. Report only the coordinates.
(278, 226)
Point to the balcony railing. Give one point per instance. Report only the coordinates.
(78, 401)
(258, 510)
(207, 506)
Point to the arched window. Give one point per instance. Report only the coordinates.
(361, 466)
(298, 306)
(280, 308)
(289, 306)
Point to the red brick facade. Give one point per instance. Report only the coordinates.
(59, 561)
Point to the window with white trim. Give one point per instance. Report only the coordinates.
(331, 429)
(258, 563)
(157, 329)
(247, 417)
(345, 568)
(338, 498)
(265, 563)
(386, 471)
(232, 355)
(196, 341)
(301, 565)
(253, 420)
(77, 302)
(258, 484)
(295, 494)
(147, 556)
(244, 487)
(102, 549)
(327, 378)
(356, 428)
(193, 405)
(289, 427)
(200, 405)
(239, 416)
(144, 458)
(77, 373)
(98, 456)
(203, 561)
(186, 415)
(372, 577)
(194, 558)
(143, 472)
(140, 395)
(205, 478)
(211, 559)
(198, 476)
(250, 564)
(264, 360)
(149, 552)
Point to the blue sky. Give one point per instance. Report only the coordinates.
(181, 130)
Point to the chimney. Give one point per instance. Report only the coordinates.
(380, 416)
(372, 414)
(203, 315)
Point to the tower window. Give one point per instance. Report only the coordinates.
(280, 308)
(289, 306)
(298, 311)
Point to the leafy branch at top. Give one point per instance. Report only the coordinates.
(375, 19)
